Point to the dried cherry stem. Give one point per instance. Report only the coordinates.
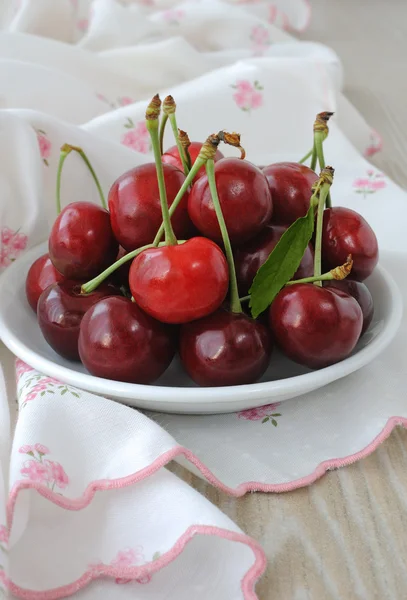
(152, 124)
(207, 152)
(235, 305)
(185, 143)
(321, 131)
(169, 108)
(322, 190)
(337, 274)
(91, 285)
(65, 150)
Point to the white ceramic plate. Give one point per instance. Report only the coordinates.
(174, 391)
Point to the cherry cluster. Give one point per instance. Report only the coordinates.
(211, 257)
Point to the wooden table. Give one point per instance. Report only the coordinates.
(345, 537)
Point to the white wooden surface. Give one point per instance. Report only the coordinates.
(345, 537)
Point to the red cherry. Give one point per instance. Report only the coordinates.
(315, 326)
(346, 232)
(41, 274)
(290, 186)
(135, 209)
(121, 342)
(250, 257)
(172, 157)
(60, 310)
(177, 284)
(81, 243)
(244, 197)
(362, 295)
(225, 348)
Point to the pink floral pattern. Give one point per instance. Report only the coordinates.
(22, 368)
(130, 557)
(273, 12)
(375, 144)
(248, 96)
(82, 24)
(370, 184)
(38, 470)
(137, 137)
(38, 385)
(262, 413)
(13, 243)
(261, 39)
(173, 16)
(44, 145)
(120, 101)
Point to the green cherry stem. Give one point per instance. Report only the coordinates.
(306, 157)
(235, 305)
(169, 108)
(162, 130)
(69, 148)
(337, 274)
(152, 119)
(326, 179)
(62, 158)
(314, 158)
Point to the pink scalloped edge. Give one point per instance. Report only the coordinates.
(252, 575)
(247, 583)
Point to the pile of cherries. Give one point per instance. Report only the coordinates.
(112, 294)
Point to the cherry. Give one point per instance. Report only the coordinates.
(362, 295)
(121, 342)
(172, 157)
(225, 348)
(177, 284)
(41, 274)
(251, 256)
(315, 326)
(244, 197)
(134, 204)
(345, 232)
(81, 243)
(290, 186)
(60, 310)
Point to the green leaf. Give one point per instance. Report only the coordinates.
(274, 422)
(42, 393)
(156, 555)
(75, 394)
(276, 415)
(51, 392)
(64, 392)
(265, 419)
(281, 264)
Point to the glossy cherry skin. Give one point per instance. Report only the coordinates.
(225, 348)
(121, 342)
(290, 185)
(315, 326)
(41, 274)
(177, 284)
(171, 157)
(362, 295)
(134, 204)
(81, 243)
(60, 310)
(252, 255)
(346, 232)
(244, 197)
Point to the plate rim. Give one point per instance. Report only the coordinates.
(300, 384)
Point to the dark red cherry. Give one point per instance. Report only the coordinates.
(362, 295)
(171, 157)
(135, 209)
(41, 274)
(244, 197)
(60, 310)
(315, 326)
(225, 348)
(290, 186)
(121, 342)
(252, 255)
(177, 284)
(81, 243)
(346, 232)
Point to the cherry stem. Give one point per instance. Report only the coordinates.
(235, 305)
(91, 285)
(323, 192)
(319, 137)
(173, 121)
(65, 150)
(314, 158)
(152, 127)
(162, 130)
(306, 157)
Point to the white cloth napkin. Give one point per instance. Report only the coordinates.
(86, 507)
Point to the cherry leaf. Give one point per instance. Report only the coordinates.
(282, 263)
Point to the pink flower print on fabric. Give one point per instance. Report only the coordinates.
(21, 368)
(13, 243)
(124, 101)
(261, 413)
(82, 24)
(56, 474)
(44, 145)
(248, 96)
(173, 16)
(375, 144)
(45, 472)
(35, 471)
(26, 449)
(370, 184)
(261, 39)
(41, 449)
(137, 137)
